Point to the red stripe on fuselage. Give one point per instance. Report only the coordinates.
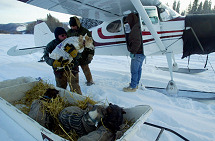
(120, 42)
(102, 36)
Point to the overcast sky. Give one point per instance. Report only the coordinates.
(13, 11)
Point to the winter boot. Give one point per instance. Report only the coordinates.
(89, 83)
(129, 89)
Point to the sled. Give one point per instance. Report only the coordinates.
(28, 129)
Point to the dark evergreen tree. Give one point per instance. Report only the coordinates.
(30, 28)
(174, 5)
(205, 7)
(178, 7)
(210, 6)
(200, 8)
(194, 7)
(52, 22)
(183, 13)
(189, 8)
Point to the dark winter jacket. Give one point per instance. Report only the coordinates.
(84, 57)
(135, 45)
(81, 31)
(48, 50)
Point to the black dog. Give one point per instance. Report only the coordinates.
(114, 117)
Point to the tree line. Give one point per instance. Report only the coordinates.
(53, 22)
(196, 7)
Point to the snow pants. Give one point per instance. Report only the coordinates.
(65, 77)
(87, 73)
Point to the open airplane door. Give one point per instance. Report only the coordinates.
(127, 29)
(146, 35)
(147, 38)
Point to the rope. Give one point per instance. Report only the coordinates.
(105, 126)
(211, 66)
(65, 132)
(173, 43)
(197, 39)
(209, 63)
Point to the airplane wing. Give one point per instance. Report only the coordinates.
(93, 9)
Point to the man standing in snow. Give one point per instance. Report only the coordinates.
(135, 47)
(87, 54)
(62, 76)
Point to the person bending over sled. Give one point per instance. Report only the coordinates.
(69, 72)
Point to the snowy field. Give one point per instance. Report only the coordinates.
(192, 119)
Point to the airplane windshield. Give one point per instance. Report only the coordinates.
(166, 13)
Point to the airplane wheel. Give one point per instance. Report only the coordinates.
(175, 67)
(172, 88)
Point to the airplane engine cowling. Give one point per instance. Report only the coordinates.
(204, 28)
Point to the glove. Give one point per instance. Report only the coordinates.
(71, 50)
(60, 63)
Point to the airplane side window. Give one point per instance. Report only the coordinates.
(114, 26)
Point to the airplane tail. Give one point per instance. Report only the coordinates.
(42, 34)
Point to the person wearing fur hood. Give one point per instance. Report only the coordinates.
(87, 55)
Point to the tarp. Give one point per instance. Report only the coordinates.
(204, 28)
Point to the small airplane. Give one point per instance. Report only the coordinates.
(164, 31)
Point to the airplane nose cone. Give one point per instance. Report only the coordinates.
(199, 38)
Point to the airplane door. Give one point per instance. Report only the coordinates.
(148, 40)
(127, 29)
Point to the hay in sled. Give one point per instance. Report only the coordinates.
(14, 92)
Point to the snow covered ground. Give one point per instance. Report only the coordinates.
(192, 119)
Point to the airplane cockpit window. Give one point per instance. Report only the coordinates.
(166, 13)
(114, 26)
(152, 13)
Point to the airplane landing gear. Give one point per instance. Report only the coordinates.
(175, 67)
(171, 88)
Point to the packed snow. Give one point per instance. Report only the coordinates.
(192, 119)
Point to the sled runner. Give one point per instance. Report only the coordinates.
(184, 70)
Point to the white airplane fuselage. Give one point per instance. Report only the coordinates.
(110, 38)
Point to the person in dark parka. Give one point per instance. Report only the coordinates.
(87, 54)
(61, 75)
(135, 47)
